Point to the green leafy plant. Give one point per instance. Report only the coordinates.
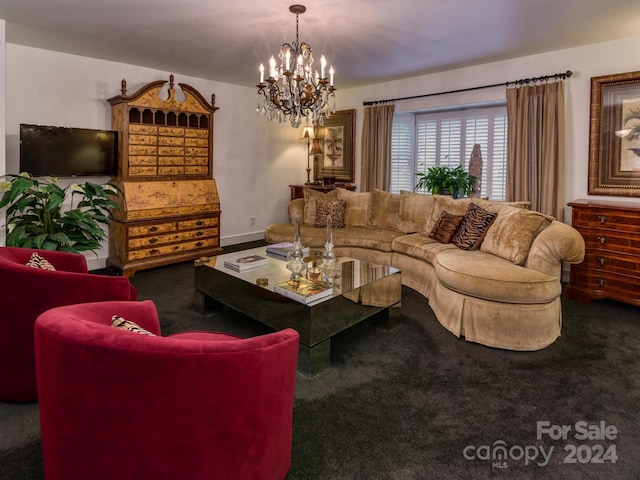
(36, 216)
(446, 180)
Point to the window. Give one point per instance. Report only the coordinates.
(423, 140)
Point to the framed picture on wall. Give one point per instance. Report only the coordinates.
(336, 138)
(614, 135)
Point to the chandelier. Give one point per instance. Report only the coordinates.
(293, 89)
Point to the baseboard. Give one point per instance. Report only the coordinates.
(243, 238)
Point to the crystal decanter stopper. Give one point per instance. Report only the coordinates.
(295, 258)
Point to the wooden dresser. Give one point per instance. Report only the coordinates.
(170, 209)
(611, 268)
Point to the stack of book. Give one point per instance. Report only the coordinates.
(242, 264)
(281, 250)
(303, 290)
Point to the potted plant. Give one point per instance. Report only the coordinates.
(38, 217)
(446, 180)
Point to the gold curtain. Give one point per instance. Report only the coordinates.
(375, 171)
(535, 147)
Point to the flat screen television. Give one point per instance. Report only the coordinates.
(68, 152)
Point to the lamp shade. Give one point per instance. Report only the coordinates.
(315, 147)
(307, 133)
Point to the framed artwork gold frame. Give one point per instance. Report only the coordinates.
(336, 137)
(614, 135)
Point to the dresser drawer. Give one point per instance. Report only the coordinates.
(143, 139)
(143, 129)
(171, 249)
(154, 240)
(171, 131)
(196, 132)
(137, 160)
(607, 261)
(170, 141)
(151, 229)
(618, 241)
(198, 223)
(627, 221)
(142, 171)
(143, 150)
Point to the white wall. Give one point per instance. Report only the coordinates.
(585, 62)
(254, 162)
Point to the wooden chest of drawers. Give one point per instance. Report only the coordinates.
(164, 222)
(611, 268)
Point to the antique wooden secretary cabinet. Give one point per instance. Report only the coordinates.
(170, 209)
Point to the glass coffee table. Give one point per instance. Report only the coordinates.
(361, 290)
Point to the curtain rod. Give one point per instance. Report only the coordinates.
(523, 81)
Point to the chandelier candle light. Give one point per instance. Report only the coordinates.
(293, 89)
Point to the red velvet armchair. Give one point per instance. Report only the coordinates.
(26, 293)
(197, 405)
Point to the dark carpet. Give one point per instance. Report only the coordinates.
(418, 403)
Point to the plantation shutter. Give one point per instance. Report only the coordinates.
(402, 175)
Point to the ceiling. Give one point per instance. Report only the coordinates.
(367, 41)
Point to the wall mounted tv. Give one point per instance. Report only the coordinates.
(68, 152)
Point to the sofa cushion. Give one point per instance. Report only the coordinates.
(488, 277)
(414, 211)
(495, 206)
(310, 198)
(37, 261)
(357, 207)
(473, 228)
(335, 208)
(420, 246)
(384, 209)
(446, 203)
(365, 237)
(446, 227)
(511, 235)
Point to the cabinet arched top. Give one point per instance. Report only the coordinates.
(149, 96)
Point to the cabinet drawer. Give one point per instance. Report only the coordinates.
(611, 240)
(611, 262)
(171, 131)
(196, 142)
(170, 249)
(196, 151)
(170, 141)
(196, 170)
(196, 132)
(143, 129)
(621, 285)
(170, 170)
(196, 160)
(142, 160)
(170, 160)
(147, 242)
(596, 218)
(171, 151)
(151, 229)
(142, 171)
(143, 139)
(198, 223)
(143, 150)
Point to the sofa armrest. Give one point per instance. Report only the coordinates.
(557, 243)
(296, 207)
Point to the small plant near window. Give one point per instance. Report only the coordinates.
(37, 216)
(446, 180)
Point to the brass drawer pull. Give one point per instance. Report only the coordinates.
(602, 218)
(199, 233)
(153, 251)
(199, 222)
(198, 244)
(153, 240)
(602, 261)
(601, 281)
(153, 229)
(602, 239)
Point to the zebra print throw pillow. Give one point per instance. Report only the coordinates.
(36, 261)
(473, 228)
(124, 324)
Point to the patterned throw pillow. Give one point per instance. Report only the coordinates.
(335, 208)
(124, 324)
(446, 227)
(473, 228)
(36, 261)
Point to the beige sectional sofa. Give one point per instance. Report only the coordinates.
(491, 270)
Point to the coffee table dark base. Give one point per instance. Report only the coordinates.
(316, 324)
